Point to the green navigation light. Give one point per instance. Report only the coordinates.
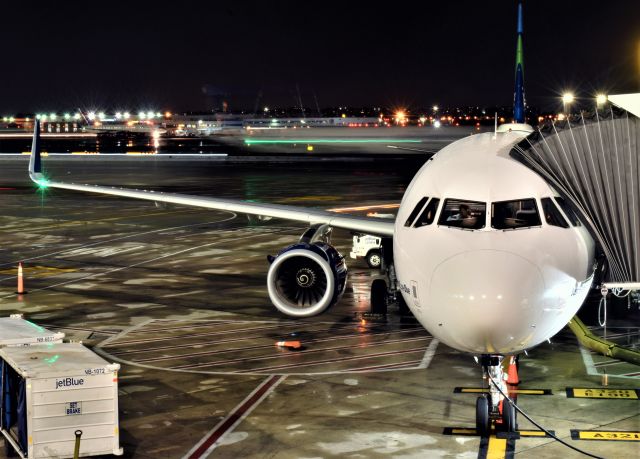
(329, 141)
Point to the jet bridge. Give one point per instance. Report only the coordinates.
(593, 160)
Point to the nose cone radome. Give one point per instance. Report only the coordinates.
(486, 301)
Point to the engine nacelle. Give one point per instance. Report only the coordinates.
(306, 279)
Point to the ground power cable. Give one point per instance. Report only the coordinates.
(517, 408)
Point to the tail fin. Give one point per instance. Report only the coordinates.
(518, 97)
(35, 164)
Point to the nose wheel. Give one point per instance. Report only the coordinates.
(493, 408)
(483, 422)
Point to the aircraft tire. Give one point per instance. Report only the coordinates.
(482, 416)
(379, 297)
(508, 417)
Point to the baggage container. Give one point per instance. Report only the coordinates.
(15, 331)
(50, 391)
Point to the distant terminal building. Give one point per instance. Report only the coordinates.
(220, 123)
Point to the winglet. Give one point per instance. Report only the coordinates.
(35, 163)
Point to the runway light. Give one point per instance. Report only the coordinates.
(101, 115)
(601, 99)
(126, 115)
(53, 116)
(67, 116)
(150, 115)
(142, 115)
(118, 115)
(76, 116)
(91, 116)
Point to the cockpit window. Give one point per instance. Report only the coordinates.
(416, 209)
(568, 211)
(552, 215)
(460, 213)
(428, 214)
(521, 213)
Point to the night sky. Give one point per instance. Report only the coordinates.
(95, 55)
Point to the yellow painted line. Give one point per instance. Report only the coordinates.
(477, 390)
(42, 153)
(631, 394)
(605, 435)
(532, 433)
(141, 153)
(497, 448)
(85, 153)
(463, 432)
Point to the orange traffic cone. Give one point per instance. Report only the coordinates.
(289, 344)
(20, 280)
(512, 375)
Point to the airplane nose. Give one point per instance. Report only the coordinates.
(486, 300)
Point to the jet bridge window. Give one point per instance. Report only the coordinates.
(568, 211)
(552, 215)
(460, 213)
(428, 214)
(416, 209)
(520, 213)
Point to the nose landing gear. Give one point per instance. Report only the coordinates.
(492, 407)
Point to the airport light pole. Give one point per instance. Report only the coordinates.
(567, 100)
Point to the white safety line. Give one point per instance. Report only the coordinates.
(428, 354)
(592, 370)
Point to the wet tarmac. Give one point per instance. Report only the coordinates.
(178, 297)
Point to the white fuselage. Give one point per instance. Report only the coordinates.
(488, 290)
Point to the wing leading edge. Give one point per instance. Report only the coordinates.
(368, 225)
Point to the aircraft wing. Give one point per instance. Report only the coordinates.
(369, 225)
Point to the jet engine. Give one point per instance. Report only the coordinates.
(305, 279)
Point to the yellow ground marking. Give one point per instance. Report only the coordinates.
(463, 432)
(518, 391)
(606, 435)
(605, 393)
(497, 448)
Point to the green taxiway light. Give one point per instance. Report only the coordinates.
(332, 141)
(43, 183)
